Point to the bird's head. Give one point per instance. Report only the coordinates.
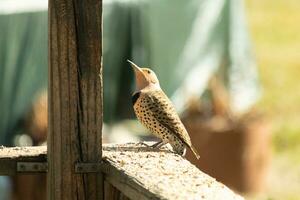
(145, 78)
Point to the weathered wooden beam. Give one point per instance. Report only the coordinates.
(139, 172)
(10, 157)
(75, 97)
(112, 193)
(159, 175)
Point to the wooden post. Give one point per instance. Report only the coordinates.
(75, 98)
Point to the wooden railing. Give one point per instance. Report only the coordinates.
(130, 170)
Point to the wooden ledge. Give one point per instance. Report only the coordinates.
(10, 156)
(160, 174)
(138, 171)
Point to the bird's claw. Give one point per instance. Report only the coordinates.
(157, 145)
(142, 143)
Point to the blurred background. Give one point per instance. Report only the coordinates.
(231, 68)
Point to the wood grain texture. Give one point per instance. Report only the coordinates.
(138, 172)
(75, 97)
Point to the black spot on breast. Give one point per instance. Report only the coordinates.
(135, 97)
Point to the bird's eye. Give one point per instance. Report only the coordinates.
(148, 71)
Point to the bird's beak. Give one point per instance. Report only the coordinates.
(141, 79)
(136, 68)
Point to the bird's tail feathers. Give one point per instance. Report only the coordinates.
(195, 152)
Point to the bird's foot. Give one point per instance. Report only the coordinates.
(157, 145)
(142, 143)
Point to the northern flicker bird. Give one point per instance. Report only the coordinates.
(155, 111)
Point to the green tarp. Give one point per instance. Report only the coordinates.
(184, 42)
(23, 66)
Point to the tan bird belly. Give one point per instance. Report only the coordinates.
(146, 117)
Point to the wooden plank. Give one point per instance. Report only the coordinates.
(159, 174)
(139, 172)
(112, 193)
(128, 187)
(9, 157)
(75, 97)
